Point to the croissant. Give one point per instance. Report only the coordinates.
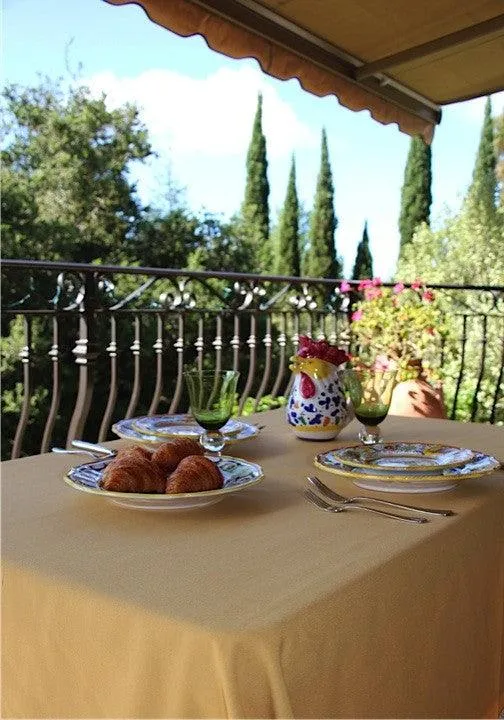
(134, 451)
(195, 474)
(168, 455)
(133, 474)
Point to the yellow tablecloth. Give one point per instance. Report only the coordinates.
(260, 606)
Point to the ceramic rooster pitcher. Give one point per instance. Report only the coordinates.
(317, 407)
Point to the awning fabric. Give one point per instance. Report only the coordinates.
(400, 60)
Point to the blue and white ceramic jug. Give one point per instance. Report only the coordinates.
(317, 407)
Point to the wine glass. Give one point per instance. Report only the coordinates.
(211, 400)
(370, 391)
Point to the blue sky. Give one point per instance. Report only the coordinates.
(199, 107)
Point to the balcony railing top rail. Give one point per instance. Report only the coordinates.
(63, 266)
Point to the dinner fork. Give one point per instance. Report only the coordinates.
(319, 502)
(328, 492)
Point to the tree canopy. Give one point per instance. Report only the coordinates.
(482, 193)
(288, 255)
(65, 173)
(255, 222)
(416, 193)
(499, 155)
(363, 266)
(321, 257)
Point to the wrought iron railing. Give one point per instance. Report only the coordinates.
(86, 345)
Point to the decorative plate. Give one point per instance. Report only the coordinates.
(406, 481)
(183, 426)
(416, 456)
(169, 426)
(238, 475)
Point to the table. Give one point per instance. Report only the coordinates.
(259, 606)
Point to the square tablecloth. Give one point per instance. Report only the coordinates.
(259, 606)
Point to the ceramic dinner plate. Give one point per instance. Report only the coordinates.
(155, 429)
(238, 474)
(169, 426)
(405, 480)
(415, 456)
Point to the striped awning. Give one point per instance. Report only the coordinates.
(399, 59)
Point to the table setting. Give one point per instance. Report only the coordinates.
(327, 393)
(237, 601)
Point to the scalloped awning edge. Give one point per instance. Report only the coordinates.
(186, 18)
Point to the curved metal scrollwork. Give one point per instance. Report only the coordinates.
(246, 295)
(182, 298)
(303, 300)
(70, 290)
(474, 302)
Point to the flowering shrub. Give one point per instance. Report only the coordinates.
(321, 349)
(399, 325)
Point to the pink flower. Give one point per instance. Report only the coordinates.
(417, 284)
(382, 363)
(370, 293)
(345, 287)
(428, 296)
(398, 288)
(357, 315)
(321, 349)
(376, 281)
(364, 284)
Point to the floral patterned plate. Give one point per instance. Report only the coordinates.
(238, 474)
(416, 456)
(406, 481)
(169, 426)
(182, 426)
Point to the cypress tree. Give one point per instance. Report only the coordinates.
(321, 258)
(483, 188)
(499, 156)
(255, 209)
(288, 257)
(363, 266)
(416, 194)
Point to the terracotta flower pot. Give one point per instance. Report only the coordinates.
(417, 398)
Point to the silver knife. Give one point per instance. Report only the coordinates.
(93, 447)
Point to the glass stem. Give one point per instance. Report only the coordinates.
(213, 442)
(369, 435)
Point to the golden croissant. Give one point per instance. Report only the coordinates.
(195, 474)
(133, 474)
(134, 451)
(168, 455)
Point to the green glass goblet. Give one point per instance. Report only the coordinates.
(370, 391)
(211, 400)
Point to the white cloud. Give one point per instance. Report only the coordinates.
(211, 116)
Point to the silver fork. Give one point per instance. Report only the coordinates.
(328, 492)
(319, 502)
